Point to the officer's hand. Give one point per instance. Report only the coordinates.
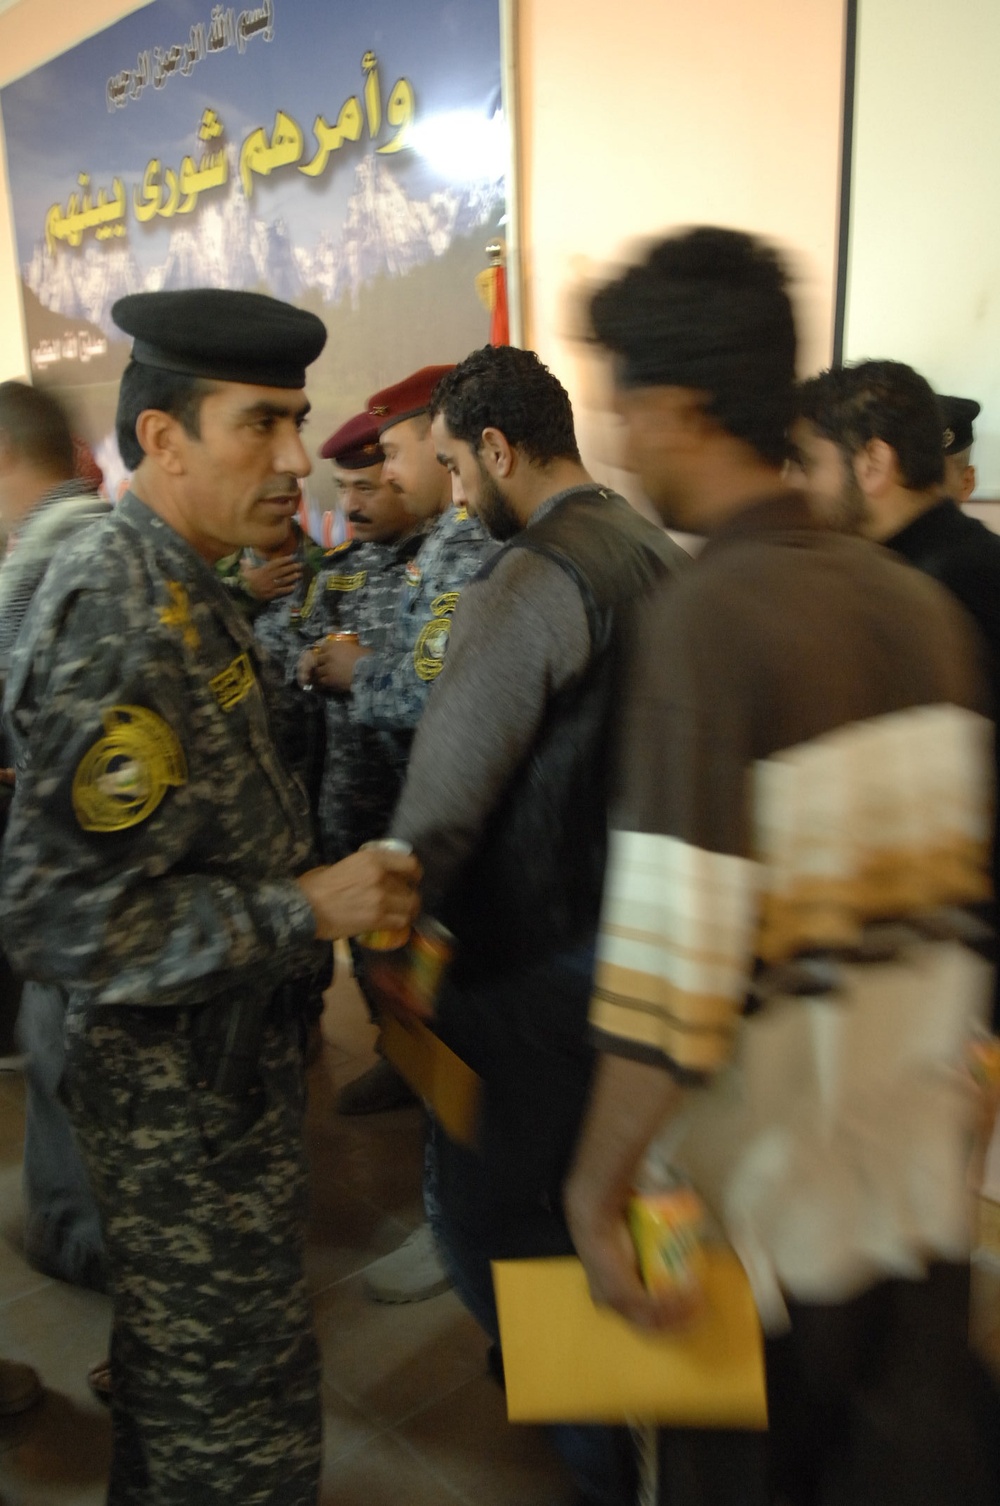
(333, 663)
(304, 668)
(6, 776)
(373, 890)
(276, 578)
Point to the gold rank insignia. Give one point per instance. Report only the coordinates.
(178, 615)
(234, 682)
(347, 582)
(123, 777)
(337, 549)
(461, 514)
(310, 600)
(432, 644)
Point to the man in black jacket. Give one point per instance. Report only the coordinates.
(871, 440)
(505, 804)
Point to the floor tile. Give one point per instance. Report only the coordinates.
(391, 1360)
(345, 1233)
(466, 1439)
(385, 1473)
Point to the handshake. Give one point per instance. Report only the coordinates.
(376, 889)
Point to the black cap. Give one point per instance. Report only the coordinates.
(958, 414)
(222, 334)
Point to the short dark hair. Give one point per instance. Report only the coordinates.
(37, 427)
(886, 400)
(503, 387)
(172, 392)
(708, 309)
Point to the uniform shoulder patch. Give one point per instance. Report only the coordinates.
(124, 775)
(432, 642)
(234, 682)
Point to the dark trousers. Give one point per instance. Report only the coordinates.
(880, 1402)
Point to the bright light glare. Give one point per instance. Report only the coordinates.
(462, 145)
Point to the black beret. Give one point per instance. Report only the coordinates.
(222, 334)
(958, 414)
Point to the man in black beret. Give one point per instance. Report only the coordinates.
(959, 414)
(159, 867)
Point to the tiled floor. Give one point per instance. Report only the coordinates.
(412, 1418)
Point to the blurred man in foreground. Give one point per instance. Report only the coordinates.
(783, 990)
(158, 866)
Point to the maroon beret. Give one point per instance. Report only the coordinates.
(355, 444)
(407, 398)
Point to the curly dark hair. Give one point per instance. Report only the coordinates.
(503, 387)
(708, 309)
(172, 392)
(37, 426)
(886, 400)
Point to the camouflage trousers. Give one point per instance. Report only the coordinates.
(215, 1373)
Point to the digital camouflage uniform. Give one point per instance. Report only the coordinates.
(273, 621)
(147, 871)
(389, 690)
(356, 591)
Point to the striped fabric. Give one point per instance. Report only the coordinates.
(882, 819)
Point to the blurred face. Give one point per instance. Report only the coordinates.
(482, 492)
(238, 482)
(656, 429)
(374, 508)
(412, 469)
(828, 477)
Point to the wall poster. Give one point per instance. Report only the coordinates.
(352, 158)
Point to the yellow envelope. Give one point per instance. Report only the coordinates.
(436, 1074)
(566, 1360)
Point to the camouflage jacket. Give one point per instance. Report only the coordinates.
(274, 621)
(155, 827)
(357, 591)
(389, 689)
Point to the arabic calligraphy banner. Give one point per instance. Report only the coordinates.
(351, 158)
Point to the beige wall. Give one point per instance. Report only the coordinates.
(645, 114)
(634, 117)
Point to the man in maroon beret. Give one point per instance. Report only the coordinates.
(388, 689)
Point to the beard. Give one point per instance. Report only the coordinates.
(494, 511)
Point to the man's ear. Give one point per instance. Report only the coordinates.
(498, 456)
(967, 485)
(162, 438)
(876, 468)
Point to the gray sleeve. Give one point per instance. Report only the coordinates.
(519, 637)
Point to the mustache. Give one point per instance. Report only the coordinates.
(358, 517)
(288, 488)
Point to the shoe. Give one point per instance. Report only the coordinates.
(410, 1274)
(376, 1090)
(20, 1388)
